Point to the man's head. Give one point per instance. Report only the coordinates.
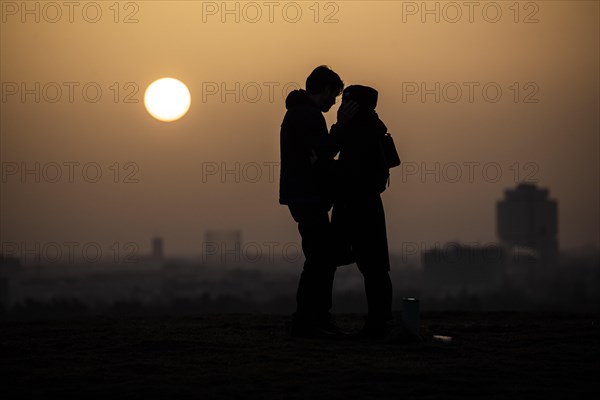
(323, 86)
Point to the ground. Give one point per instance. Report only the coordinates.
(491, 355)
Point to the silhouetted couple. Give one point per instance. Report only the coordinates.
(312, 182)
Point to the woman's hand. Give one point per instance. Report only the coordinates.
(346, 111)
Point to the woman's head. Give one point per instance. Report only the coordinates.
(365, 96)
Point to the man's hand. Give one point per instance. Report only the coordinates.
(346, 112)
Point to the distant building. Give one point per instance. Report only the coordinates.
(222, 248)
(527, 217)
(157, 248)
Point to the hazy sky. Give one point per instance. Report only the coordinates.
(541, 57)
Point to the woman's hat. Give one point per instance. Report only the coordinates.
(365, 96)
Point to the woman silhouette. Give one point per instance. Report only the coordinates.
(358, 218)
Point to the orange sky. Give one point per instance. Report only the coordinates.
(554, 139)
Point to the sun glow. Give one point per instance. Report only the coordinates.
(167, 99)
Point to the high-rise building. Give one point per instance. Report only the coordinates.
(528, 217)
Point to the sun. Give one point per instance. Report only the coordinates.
(167, 99)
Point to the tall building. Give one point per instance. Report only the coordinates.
(528, 217)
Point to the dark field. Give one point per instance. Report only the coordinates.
(492, 355)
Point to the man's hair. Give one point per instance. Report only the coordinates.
(322, 78)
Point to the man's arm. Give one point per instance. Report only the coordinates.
(313, 131)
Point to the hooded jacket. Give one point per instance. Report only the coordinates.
(306, 152)
(363, 171)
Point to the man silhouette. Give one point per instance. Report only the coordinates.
(307, 151)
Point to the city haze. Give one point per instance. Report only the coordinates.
(217, 167)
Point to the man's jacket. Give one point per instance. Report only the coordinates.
(306, 150)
